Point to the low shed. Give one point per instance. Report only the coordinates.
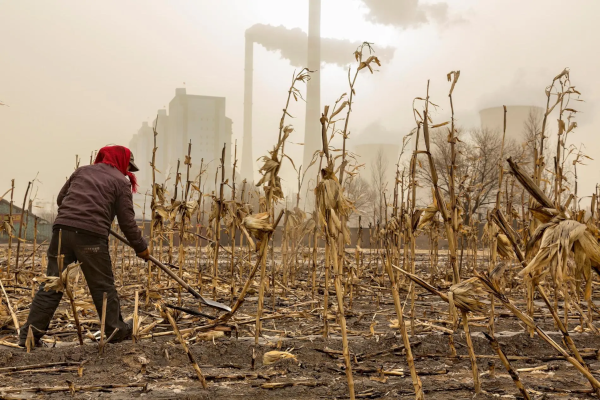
(44, 228)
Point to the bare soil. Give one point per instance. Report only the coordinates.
(159, 363)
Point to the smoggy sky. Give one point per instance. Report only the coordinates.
(79, 75)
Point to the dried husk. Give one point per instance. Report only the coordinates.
(504, 247)
(271, 357)
(268, 168)
(544, 214)
(583, 268)
(7, 228)
(308, 226)
(427, 216)
(464, 296)
(587, 244)
(393, 225)
(160, 193)
(159, 216)
(533, 242)
(209, 336)
(332, 205)
(496, 277)
(55, 282)
(257, 224)
(555, 247)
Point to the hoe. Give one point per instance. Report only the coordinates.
(183, 284)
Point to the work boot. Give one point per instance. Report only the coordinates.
(37, 336)
(125, 333)
(22, 343)
(129, 324)
(122, 334)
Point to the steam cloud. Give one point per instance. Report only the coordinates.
(405, 13)
(523, 89)
(293, 45)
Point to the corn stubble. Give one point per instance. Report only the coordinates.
(552, 242)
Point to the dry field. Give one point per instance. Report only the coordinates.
(157, 367)
(507, 310)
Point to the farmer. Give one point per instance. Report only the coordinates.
(87, 205)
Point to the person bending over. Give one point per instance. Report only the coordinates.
(87, 206)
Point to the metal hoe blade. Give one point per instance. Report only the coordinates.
(184, 284)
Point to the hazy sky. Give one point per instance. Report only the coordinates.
(78, 75)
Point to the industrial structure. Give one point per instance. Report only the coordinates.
(301, 50)
(312, 123)
(141, 144)
(200, 120)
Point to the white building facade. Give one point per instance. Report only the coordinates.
(198, 119)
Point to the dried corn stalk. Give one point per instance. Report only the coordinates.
(257, 224)
(464, 294)
(58, 283)
(332, 204)
(427, 216)
(556, 245)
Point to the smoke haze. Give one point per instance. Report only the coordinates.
(79, 75)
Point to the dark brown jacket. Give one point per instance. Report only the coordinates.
(91, 199)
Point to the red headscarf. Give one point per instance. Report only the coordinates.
(118, 157)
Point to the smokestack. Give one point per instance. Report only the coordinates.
(247, 170)
(312, 133)
(300, 50)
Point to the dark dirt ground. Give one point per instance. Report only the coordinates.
(316, 373)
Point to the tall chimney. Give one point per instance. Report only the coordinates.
(247, 170)
(312, 133)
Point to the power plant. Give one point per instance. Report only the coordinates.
(301, 50)
(202, 118)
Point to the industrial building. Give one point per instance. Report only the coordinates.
(195, 118)
(141, 144)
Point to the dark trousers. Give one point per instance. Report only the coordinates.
(92, 252)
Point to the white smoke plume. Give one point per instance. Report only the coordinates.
(293, 43)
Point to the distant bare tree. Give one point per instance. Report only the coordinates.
(532, 130)
(379, 167)
(532, 126)
(477, 160)
(49, 214)
(362, 195)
